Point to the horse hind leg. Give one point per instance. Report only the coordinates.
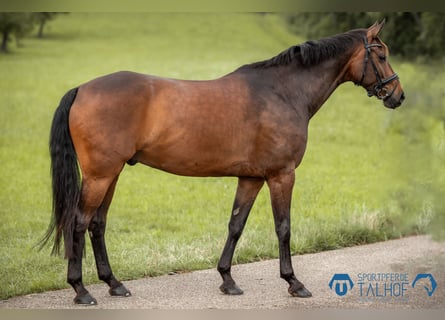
(93, 194)
(74, 274)
(97, 237)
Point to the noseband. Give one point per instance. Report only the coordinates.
(379, 91)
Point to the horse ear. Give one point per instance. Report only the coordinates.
(375, 29)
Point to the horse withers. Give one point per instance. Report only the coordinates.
(251, 124)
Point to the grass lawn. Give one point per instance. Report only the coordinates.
(366, 175)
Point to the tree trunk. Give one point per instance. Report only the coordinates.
(41, 25)
(5, 37)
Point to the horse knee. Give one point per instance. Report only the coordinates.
(283, 231)
(235, 230)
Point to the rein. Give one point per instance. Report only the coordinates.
(379, 91)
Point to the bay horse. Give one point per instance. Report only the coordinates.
(251, 124)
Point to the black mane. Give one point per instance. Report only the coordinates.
(314, 52)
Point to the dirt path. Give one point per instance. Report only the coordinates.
(395, 264)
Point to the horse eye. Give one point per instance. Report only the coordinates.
(382, 58)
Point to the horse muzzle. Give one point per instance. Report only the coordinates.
(393, 102)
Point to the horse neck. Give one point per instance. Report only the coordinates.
(308, 87)
(320, 81)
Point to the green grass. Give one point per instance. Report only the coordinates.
(362, 179)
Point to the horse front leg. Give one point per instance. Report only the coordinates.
(246, 194)
(280, 187)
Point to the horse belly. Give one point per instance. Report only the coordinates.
(232, 148)
(198, 155)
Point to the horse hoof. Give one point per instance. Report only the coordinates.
(232, 290)
(301, 292)
(85, 299)
(120, 291)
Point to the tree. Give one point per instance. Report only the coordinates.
(17, 25)
(432, 33)
(409, 34)
(314, 25)
(41, 18)
(12, 23)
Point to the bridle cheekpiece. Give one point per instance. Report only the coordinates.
(379, 91)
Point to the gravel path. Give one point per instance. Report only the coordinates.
(263, 289)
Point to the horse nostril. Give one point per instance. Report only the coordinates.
(402, 97)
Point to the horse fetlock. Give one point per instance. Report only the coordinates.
(224, 270)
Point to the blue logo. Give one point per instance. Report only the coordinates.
(342, 282)
(431, 279)
(378, 286)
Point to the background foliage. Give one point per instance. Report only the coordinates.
(15, 25)
(409, 34)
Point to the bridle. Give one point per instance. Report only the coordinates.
(379, 89)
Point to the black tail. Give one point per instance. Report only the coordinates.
(65, 178)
